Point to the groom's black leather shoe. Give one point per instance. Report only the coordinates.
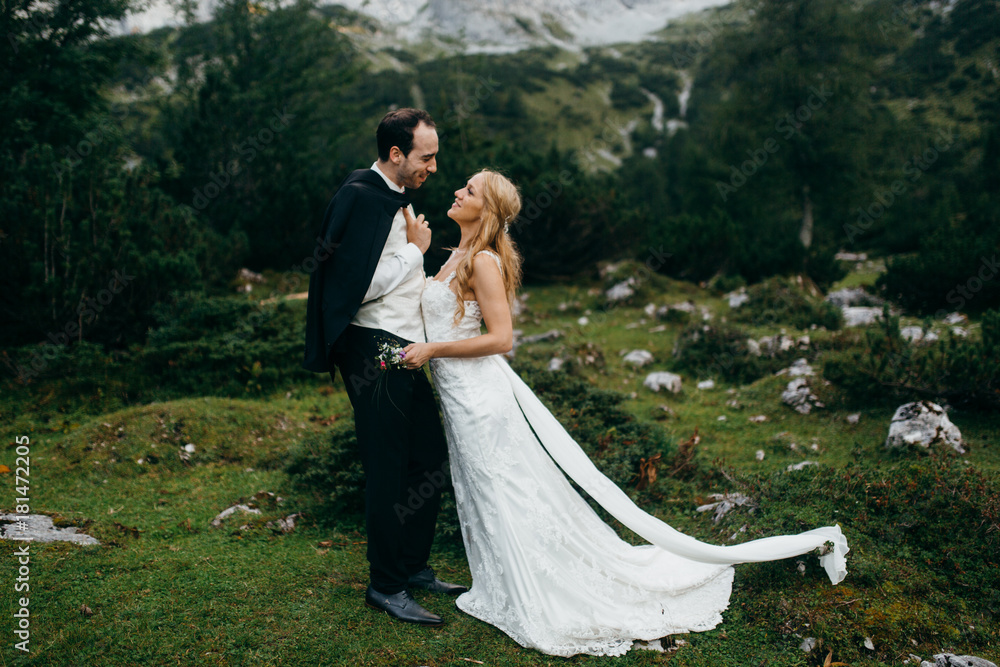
(401, 606)
(426, 580)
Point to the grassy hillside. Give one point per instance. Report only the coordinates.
(165, 587)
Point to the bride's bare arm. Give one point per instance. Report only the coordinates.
(487, 285)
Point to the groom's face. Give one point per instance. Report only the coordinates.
(422, 160)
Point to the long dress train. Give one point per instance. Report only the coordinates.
(545, 568)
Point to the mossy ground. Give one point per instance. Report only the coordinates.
(166, 588)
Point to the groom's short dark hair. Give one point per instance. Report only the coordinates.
(396, 129)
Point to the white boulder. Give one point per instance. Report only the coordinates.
(662, 379)
(738, 298)
(952, 660)
(799, 396)
(923, 424)
(860, 316)
(621, 291)
(638, 357)
(852, 296)
(39, 528)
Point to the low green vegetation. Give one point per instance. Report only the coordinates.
(167, 587)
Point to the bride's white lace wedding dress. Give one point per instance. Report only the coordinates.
(545, 568)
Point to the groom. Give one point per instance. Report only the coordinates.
(368, 292)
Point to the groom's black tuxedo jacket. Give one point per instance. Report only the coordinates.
(356, 225)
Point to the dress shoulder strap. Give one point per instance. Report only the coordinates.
(496, 258)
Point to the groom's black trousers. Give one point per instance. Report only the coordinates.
(403, 453)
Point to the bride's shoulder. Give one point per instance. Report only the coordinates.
(480, 260)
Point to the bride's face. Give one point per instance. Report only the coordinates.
(468, 206)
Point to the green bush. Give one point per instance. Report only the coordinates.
(224, 345)
(923, 567)
(954, 270)
(722, 350)
(198, 346)
(615, 441)
(782, 300)
(964, 371)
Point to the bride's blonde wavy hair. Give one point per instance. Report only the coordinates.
(501, 206)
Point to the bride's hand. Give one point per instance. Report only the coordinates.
(417, 354)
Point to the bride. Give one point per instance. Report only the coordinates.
(545, 568)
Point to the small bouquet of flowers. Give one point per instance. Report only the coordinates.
(390, 355)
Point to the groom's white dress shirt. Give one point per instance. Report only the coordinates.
(392, 302)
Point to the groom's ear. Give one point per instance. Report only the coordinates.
(396, 155)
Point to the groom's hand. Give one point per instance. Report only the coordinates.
(418, 230)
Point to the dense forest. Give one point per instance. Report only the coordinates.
(139, 167)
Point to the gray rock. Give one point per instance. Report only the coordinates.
(922, 424)
(952, 660)
(723, 503)
(772, 345)
(555, 364)
(799, 368)
(753, 347)
(552, 334)
(799, 396)
(853, 296)
(955, 318)
(859, 316)
(285, 525)
(39, 528)
(247, 276)
(854, 418)
(229, 511)
(801, 466)
(706, 384)
(638, 358)
(738, 298)
(656, 381)
(621, 291)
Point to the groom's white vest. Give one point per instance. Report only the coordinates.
(397, 312)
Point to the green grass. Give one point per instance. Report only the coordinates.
(166, 588)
